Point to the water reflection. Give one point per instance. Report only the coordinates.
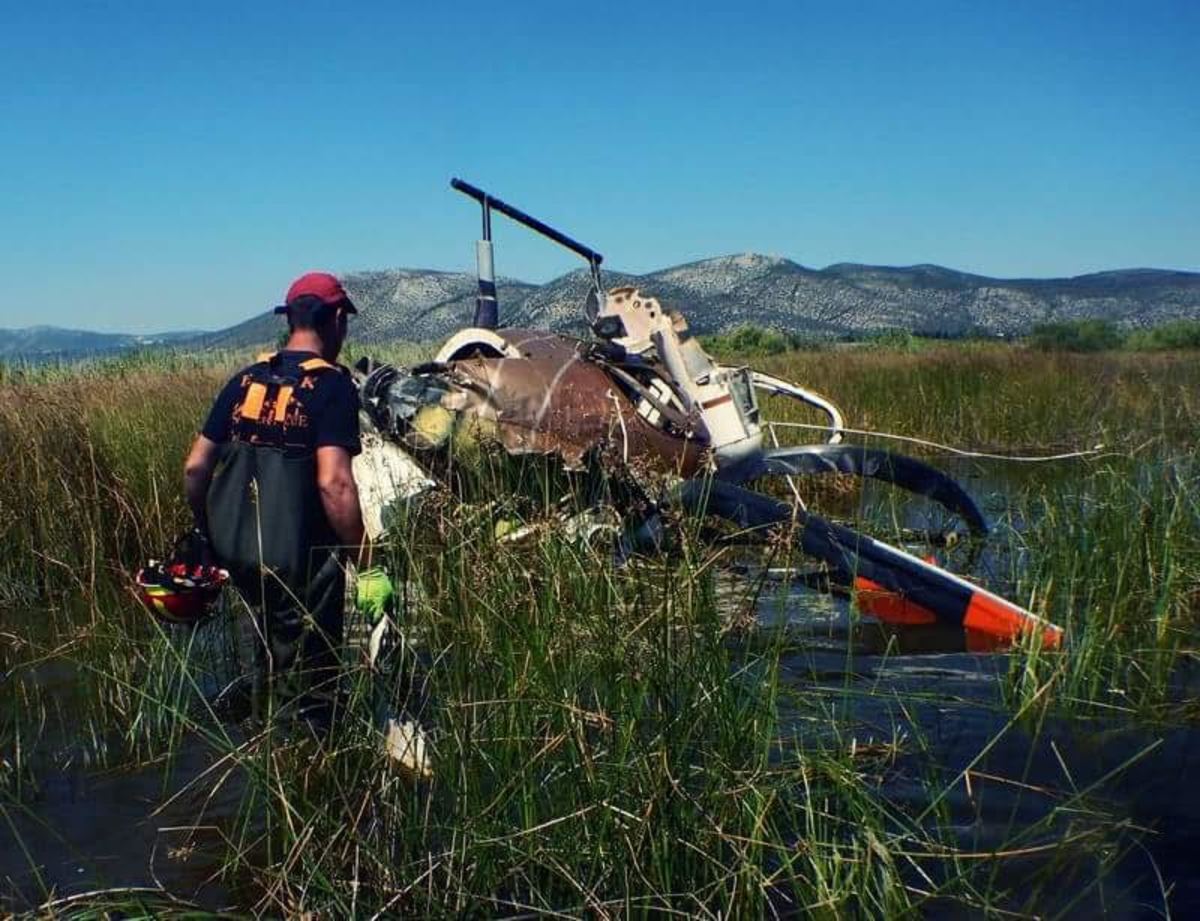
(930, 693)
(940, 693)
(84, 830)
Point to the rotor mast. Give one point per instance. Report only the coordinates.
(487, 309)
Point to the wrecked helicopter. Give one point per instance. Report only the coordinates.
(640, 397)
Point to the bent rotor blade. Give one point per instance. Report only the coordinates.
(951, 598)
(905, 472)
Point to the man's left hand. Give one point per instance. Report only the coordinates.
(374, 593)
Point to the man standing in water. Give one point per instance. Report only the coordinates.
(270, 484)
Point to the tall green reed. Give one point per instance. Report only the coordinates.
(604, 743)
(1113, 554)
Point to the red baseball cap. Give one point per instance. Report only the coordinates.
(317, 289)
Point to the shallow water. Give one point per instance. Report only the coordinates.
(913, 690)
(916, 683)
(922, 683)
(86, 830)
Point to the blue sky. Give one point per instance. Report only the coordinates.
(172, 165)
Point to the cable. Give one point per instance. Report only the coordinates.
(951, 450)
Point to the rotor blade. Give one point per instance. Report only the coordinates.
(490, 201)
(952, 599)
(905, 472)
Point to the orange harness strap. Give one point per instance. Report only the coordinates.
(282, 398)
(255, 395)
(317, 364)
(257, 392)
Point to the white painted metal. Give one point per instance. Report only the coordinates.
(385, 474)
(475, 339)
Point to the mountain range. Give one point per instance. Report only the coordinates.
(717, 294)
(51, 342)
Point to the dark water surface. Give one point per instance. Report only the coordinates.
(73, 828)
(946, 707)
(914, 689)
(85, 830)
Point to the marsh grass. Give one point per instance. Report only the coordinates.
(984, 396)
(1114, 556)
(1108, 545)
(603, 747)
(607, 741)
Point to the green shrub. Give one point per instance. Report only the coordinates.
(749, 341)
(895, 339)
(1076, 336)
(1178, 334)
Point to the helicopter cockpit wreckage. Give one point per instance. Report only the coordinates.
(642, 400)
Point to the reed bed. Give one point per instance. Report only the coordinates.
(1006, 398)
(609, 741)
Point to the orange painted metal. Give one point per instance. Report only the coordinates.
(994, 616)
(890, 607)
(253, 404)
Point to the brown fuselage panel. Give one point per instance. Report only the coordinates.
(553, 400)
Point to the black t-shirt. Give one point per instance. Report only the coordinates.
(324, 407)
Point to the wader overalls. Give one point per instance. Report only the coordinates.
(268, 527)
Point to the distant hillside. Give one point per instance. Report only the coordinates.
(413, 304)
(49, 343)
(715, 295)
(719, 294)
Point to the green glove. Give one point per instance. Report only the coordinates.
(373, 592)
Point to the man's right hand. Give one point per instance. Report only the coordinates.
(339, 495)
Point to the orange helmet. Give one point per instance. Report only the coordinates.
(183, 589)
